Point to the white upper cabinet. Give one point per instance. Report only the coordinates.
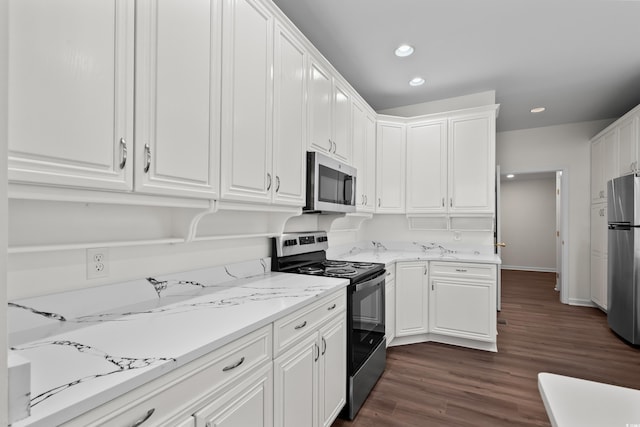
(472, 163)
(427, 167)
(247, 87)
(290, 124)
(329, 114)
(70, 99)
(177, 97)
(597, 170)
(628, 145)
(390, 178)
(363, 127)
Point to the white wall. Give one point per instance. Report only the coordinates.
(528, 223)
(4, 4)
(566, 148)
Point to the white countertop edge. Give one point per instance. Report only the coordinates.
(67, 413)
(394, 256)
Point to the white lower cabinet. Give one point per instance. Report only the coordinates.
(250, 403)
(412, 298)
(463, 300)
(310, 377)
(390, 304)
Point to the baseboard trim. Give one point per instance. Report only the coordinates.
(524, 268)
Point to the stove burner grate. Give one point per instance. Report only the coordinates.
(310, 270)
(341, 272)
(329, 263)
(362, 264)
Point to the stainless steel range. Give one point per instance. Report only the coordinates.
(305, 253)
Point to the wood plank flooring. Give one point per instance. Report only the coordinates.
(439, 385)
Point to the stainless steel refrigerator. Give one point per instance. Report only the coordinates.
(623, 274)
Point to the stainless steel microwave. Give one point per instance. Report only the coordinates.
(331, 185)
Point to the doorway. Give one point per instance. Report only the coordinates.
(533, 221)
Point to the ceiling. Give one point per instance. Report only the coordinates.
(578, 58)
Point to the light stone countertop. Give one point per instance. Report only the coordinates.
(86, 348)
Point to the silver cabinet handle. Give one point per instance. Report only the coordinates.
(451, 202)
(123, 153)
(461, 270)
(335, 148)
(147, 155)
(277, 183)
(443, 202)
(362, 200)
(234, 366)
(324, 346)
(317, 348)
(301, 325)
(379, 201)
(144, 418)
(425, 270)
(331, 307)
(330, 145)
(366, 200)
(268, 181)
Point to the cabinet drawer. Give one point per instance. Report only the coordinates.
(178, 394)
(472, 271)
(293, 327)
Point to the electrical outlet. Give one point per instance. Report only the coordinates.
(97, 263)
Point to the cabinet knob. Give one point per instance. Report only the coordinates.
(147, 156)
(123, 153)
(501, 245)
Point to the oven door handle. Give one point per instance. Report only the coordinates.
(371, 282)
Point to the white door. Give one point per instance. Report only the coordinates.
(295, 377)
(341, 123)
(177, 93)
(250, 403)
(333, 370)
(412, 298)
(390, 179)
(289, 132)
(498, 242)
(319, 98)
(71, 93)
(472, 163)
(246, 158)
(558, 230)
(427, 167)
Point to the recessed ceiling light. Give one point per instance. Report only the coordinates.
(538, 110)
(404, 50)
(416, 81)
(511, 176)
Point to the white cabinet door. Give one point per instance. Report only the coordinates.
(341, 123)
(177, 93)
(463, 309)
(610, 141)
(597, 171)
(250, 403)
(289, 132)
(628, 145)
(427, 167)
(412, 298)
(472, 163)
(296, 385)
(333, 370)
(390, 180)
(363, 128)
(70, 93)
(390, 310)
(599, 254)
(319, 93)
(246, 157)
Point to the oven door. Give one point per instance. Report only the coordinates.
(366, 319)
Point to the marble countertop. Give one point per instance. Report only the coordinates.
(576, 402)
(393, 255)
(87, 347)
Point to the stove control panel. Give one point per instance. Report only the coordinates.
(299, 243)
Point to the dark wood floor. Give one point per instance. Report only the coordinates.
(439, 385)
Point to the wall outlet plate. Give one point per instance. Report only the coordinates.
(97, 263)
